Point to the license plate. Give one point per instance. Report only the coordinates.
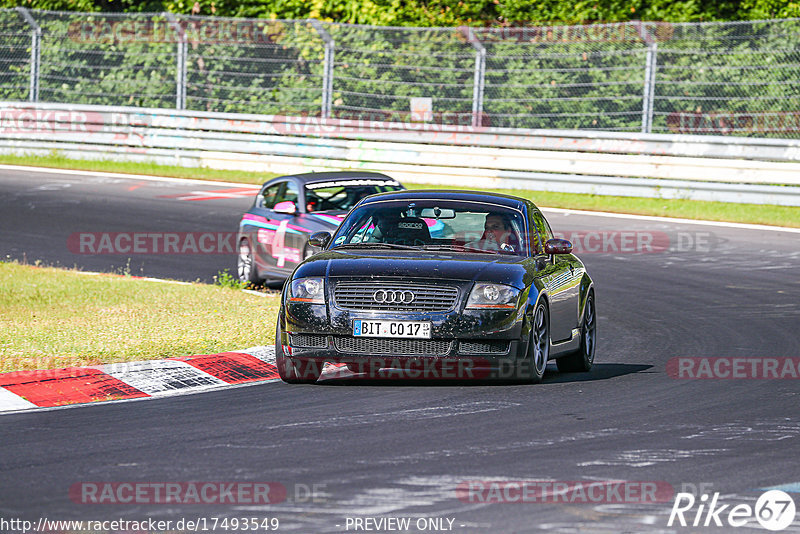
(413, 329)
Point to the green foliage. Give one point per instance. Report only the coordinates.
(565, 77)
(54, 5)
(493, 12)
(226, 279)
(768, 9)
(444, 12)
(14, 57)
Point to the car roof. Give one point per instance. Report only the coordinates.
(437, 194)
(313, 177)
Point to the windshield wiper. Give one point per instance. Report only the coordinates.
(376, 245)
(458, 248)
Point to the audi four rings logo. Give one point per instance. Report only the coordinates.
(388, 296)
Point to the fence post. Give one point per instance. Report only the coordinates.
(649, 87)
(180, 60)
(652, 51)
(651, 62)
(478, 81)
(327, 68)
(36, 55)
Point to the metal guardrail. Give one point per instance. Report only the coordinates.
(761, 171)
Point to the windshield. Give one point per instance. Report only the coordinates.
(344, 194)
(435, 225)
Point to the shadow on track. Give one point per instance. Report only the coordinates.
(600, 371)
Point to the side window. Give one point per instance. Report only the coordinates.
(363, 232)
(269, 195)
(543, 230)
(289, 193)
(547, 229)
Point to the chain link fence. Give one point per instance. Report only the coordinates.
(738, 78)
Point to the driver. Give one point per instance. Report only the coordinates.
(384, 223)
(498, 235)
(312, 202)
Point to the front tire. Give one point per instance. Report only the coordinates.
(245, 264)
(294, 370)
(532, 367)
(581, 361)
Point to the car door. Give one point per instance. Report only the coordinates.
(284, 239)
(259, 228)
(561, 277)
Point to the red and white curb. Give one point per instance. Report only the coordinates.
(25, 390)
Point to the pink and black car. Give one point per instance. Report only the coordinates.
(273, 233)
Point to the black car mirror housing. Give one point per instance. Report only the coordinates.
(320, 239)
(557, 246)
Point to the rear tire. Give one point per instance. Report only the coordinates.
(294, 370)
(532, 368)
(581, 360)
(246, 265)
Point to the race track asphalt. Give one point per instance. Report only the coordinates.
(392, 449)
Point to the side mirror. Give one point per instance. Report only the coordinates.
(319, 239)
(286, 207)
(557, 246)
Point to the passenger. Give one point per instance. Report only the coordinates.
(498, 235)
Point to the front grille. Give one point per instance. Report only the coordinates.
(483, 347)
(308, 341)
(362, 345)
(359, 296)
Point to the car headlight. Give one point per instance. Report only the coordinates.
(485, 295)
(310, 290)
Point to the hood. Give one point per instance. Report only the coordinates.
(390, 264)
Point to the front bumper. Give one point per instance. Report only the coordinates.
(453, 364)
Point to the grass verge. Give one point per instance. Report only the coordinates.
(687, 209)
(52, 318)
(683, 209)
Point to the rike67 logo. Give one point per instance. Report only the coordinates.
(774, 510)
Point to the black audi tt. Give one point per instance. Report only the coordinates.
(438, 284)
